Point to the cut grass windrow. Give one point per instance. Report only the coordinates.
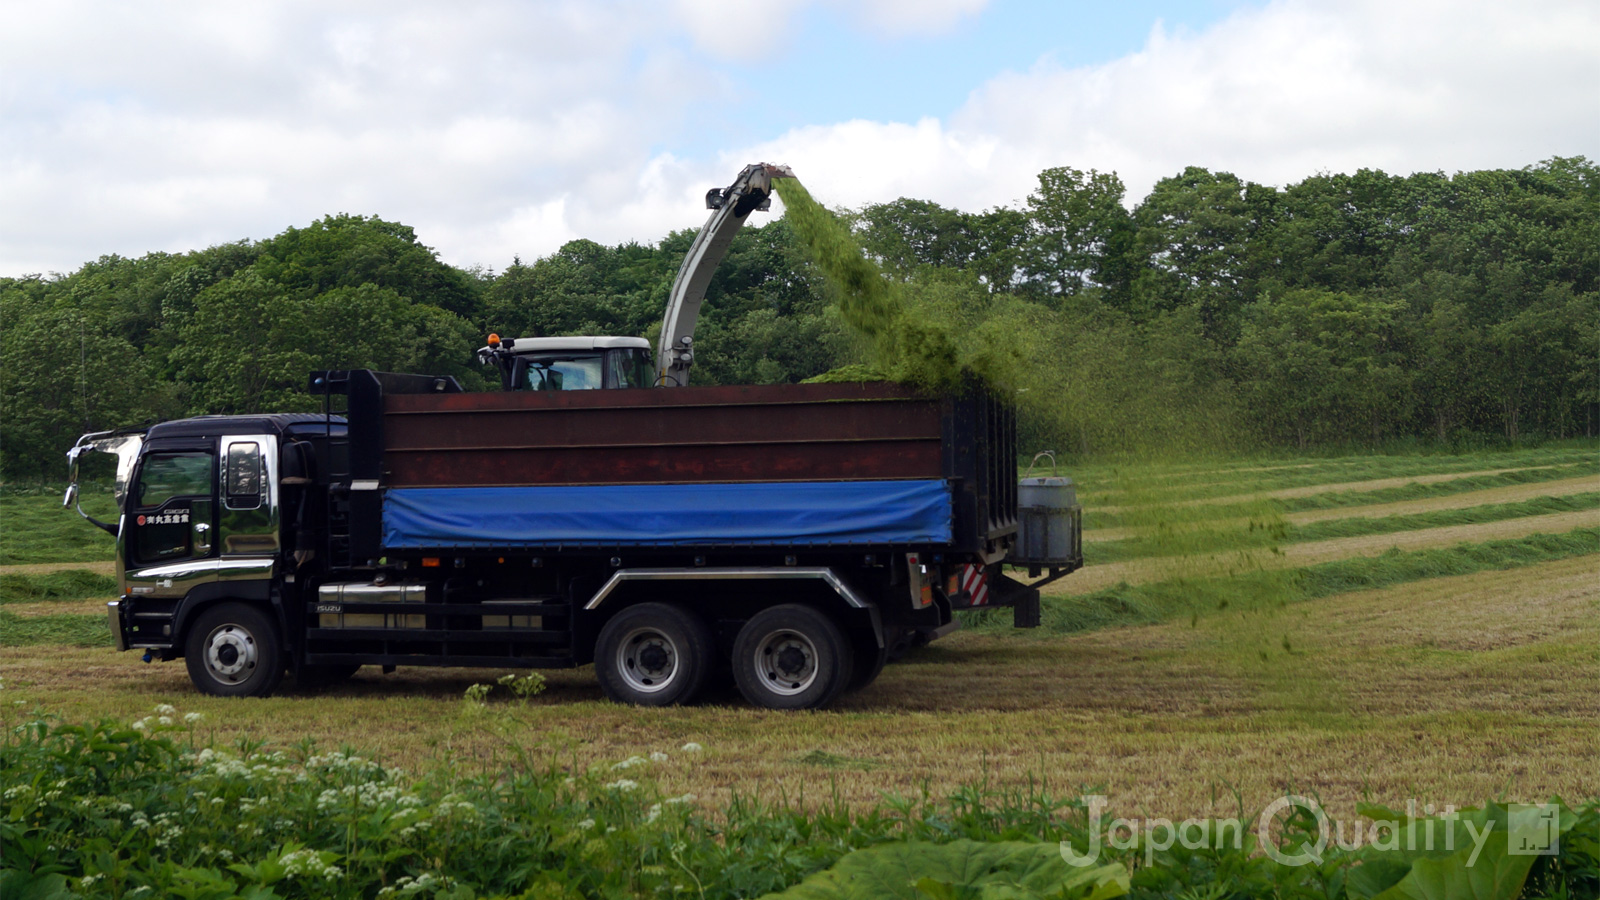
(1300, 473)
(1436, 489)
(1155, 602)
(66, 630)
(1095, 519)
(72, 584)
(34, 528)
(1243, 536)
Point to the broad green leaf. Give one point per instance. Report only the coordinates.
(16, 885)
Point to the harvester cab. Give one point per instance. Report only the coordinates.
(570, 363)
(580, 363)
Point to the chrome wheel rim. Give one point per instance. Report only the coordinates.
(786, 662)
(648, 660)
(230, 653)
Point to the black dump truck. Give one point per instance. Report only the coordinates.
(795, 537)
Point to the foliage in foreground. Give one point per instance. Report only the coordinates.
(112, 810)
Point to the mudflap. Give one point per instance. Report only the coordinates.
(1023, 599)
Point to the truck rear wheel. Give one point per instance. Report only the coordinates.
(791, 657)
(654, 654)
(233, 650)
(869, 662)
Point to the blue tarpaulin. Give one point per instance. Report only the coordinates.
(800, 513)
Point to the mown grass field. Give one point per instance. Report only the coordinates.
(1356, 628)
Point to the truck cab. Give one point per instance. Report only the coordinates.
(214, 510)
(580, 363)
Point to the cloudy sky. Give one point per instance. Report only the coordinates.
(499, 129)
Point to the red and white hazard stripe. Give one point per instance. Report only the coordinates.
(975, 581)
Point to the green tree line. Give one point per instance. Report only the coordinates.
(1345, 308)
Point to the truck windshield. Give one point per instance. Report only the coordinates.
(581, 373)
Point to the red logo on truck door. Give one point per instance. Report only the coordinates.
(176, 517)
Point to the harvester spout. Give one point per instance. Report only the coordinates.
(729, 206)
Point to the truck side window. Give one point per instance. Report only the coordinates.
(168, 475)
(244, 476)
(172, 489)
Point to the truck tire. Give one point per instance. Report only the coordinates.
(654, 654)
(233, 650)
(791, 657)
(869, 662)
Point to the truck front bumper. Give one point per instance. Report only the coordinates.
(114, 615)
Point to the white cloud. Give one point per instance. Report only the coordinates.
(739, 31)
(503, 128)
(908, 17)
(1273, 95)
(749, 31)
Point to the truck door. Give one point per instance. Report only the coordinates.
(170, 517)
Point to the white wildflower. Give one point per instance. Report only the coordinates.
(586, 824)
(308, 863)
(165, 709)
(628, 763)
(623, 784)
(192, 718)
(692, 747)
(658, 756)
(406, 886)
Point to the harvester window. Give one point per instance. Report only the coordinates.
(572, 374)
(631, 368)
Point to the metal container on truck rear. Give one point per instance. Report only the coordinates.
(1047, 510)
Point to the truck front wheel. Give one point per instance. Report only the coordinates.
(791, 657)
(233, 650)
(654, 654)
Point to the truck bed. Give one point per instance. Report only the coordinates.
(695, 435)
(825, 465)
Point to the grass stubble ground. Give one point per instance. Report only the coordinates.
(1444, 690)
